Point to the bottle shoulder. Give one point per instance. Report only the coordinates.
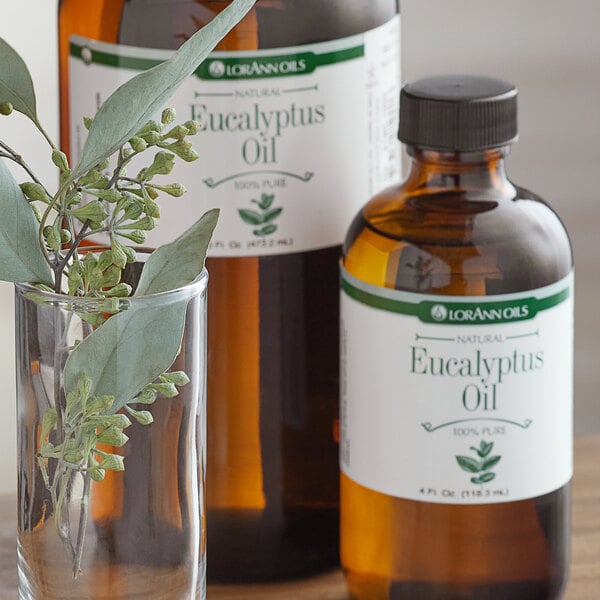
(311, 21)
(490, 240)
(276, 23)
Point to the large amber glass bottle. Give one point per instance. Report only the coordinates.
(284, 82)
(445, 493)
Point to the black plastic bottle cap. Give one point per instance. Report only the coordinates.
(458, 113)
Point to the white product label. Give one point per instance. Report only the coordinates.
(293, 142)
(457, 400)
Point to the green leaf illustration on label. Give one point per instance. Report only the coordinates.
(490, 462)
(485, 478)
(471, 465)
(265, 217)
(484, 449)
(273, 214)
(266, 201)
(251, 217)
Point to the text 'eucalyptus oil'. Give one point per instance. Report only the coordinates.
(278, 157)
(457, 358)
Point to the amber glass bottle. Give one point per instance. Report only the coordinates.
(456, 366)
(274, 102)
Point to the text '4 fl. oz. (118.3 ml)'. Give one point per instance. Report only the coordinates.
(457, 303)
(298, 109)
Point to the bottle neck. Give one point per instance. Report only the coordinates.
(458, 170)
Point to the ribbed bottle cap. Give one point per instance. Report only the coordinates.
(458, 113)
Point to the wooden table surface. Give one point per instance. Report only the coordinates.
(585, 568)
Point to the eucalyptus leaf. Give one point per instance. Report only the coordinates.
(130, 350)
(21, 258)
(179, 263)
(135, 102)
(16, 85)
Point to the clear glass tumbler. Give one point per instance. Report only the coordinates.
(89, 533)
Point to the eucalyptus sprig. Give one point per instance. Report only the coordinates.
(41, 237)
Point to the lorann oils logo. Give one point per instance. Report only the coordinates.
(240, 68)
(441, 313)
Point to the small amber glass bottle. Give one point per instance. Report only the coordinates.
(456, 422)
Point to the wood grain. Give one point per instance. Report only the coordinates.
(585, 569)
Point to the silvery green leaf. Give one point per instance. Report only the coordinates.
(16, 85)
(127, 352)
(135, 102)
(177, 264)
(21, 258)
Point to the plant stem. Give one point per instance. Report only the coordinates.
(46, 136)
(83, 518)
(74, 246)
(42, 243)
(131, 180)
(122, 162)
(57, 371)
(61, 474)
(61, 514)
(61, 480)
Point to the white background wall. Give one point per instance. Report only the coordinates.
(29, 26)
(549, 48)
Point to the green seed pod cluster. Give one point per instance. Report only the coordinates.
(133, 202)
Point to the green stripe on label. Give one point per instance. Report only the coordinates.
(235, 68)
(405, 308)
(89, 56)
(476, 312)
